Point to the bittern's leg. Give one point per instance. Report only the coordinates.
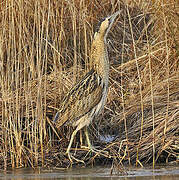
(71, 141)
(69, 147)
(87, 138)
(93, 149)
(81, 138)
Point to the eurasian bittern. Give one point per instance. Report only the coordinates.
(87, 98)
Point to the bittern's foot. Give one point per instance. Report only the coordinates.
(93, 149)
(71, 158)
(96, 151)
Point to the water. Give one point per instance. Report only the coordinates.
(95, 173)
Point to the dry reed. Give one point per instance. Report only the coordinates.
(44, 49)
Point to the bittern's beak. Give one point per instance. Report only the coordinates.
(113, 16)
(111, 20)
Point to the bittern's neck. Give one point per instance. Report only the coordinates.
(99, 57)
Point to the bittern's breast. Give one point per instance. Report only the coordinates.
(85, 98)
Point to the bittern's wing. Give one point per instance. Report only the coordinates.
(81, 99)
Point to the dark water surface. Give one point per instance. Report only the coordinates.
(95, 173)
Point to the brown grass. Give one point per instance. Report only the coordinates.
(44, 49)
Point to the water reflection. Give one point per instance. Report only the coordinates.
(97, 173)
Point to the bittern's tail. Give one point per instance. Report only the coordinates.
(56, 117)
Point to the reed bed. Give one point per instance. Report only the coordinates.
(44, 50)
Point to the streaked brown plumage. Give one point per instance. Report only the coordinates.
(87, 98)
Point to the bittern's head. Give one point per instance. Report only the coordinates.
(105, 26)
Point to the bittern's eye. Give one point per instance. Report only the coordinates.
(99, 25)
